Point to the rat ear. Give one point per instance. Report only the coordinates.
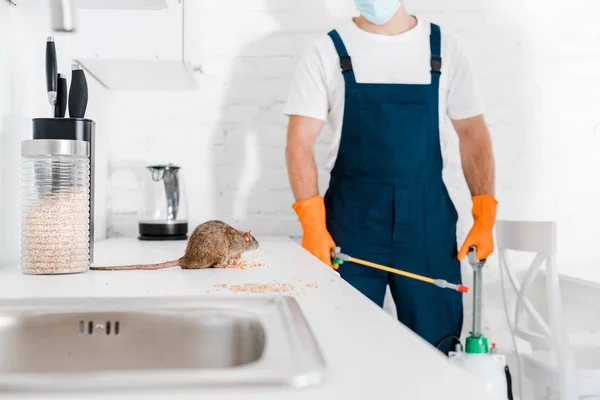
(248, 236)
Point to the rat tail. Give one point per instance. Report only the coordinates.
(168, 264)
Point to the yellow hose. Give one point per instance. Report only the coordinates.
(392, 270)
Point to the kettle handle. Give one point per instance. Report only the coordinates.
(171, 182)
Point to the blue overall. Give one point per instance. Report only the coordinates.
(387, 202)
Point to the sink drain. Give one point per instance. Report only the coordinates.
(106, 327)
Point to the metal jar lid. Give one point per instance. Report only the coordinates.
(54, 147)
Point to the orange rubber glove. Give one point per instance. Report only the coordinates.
(481, 235)
(316, 239)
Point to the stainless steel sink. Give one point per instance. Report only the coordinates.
(96, 341)
(84, 343)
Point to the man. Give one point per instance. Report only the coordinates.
(384, 81)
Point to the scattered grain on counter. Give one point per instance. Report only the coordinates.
(277, 286)
(261, 288)
(244, 264)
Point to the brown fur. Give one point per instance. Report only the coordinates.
(212, 244)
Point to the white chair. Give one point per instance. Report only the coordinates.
(553, 365)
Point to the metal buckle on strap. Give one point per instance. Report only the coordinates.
(346, 64)
(436, 64)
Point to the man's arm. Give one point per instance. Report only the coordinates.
(478, 166)
(302, 170)
(302, 167)
(476, 155)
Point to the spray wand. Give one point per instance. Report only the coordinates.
(476, 342)
(338, 258)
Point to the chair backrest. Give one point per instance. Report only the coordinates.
(534, 237)
(542, 331)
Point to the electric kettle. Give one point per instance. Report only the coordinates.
(164, 216)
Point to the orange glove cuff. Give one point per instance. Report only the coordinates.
(481, 234)
(316, 238)
(484, 210)
(311, 213)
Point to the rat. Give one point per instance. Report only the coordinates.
(212, 244)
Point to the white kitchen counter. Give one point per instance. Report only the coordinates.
(369, 355)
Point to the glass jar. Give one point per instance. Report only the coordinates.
(55, 208)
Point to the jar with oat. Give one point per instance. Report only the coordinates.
(55, 206)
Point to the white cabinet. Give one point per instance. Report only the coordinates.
(133, 44)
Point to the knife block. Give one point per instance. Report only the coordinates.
(72, 129)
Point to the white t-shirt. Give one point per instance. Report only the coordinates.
(318, 89)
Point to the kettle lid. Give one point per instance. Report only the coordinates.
(163, 167)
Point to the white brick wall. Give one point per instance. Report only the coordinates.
(233, 127)
(537, 65)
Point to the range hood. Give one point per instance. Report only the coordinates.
(122, 4)
(133, 45)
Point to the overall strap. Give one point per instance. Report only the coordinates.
(435, 43)
(345, 60)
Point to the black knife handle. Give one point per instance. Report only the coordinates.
(61, 97)
(51, 70)
(78, 94)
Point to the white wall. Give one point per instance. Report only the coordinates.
(537, 66)
(232, 128)
(23, 32)
(537, 69)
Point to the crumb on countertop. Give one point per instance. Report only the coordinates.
(261, 288)
(244, 264)
(275, 286)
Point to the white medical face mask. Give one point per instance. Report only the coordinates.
(377, 12)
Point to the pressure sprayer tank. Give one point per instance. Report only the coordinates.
(484, 365)
(486, 368)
